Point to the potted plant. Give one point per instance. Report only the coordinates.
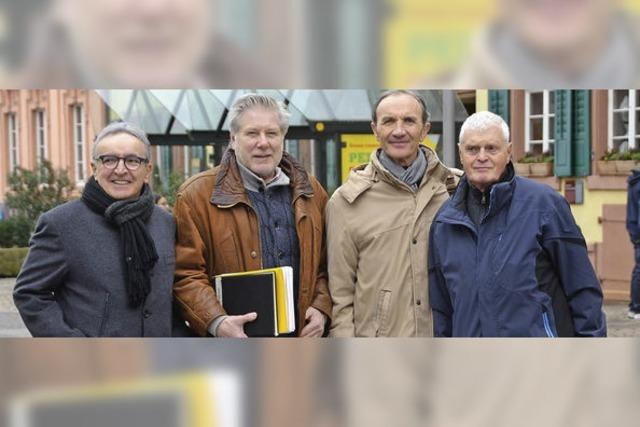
(625, 163)
(543, 166)
(606, 165)
(522, 166)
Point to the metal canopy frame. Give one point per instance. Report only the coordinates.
(200, 116)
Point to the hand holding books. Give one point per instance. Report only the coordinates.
(233, 326)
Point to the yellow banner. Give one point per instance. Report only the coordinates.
(356, 150)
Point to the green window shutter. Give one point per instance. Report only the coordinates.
(562, 145)
(499, 103)
(581, 143)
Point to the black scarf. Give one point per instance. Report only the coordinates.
(138, 248)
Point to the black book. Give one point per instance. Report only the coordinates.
(245, 293)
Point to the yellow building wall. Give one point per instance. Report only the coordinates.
(587, 214)
(482, 100)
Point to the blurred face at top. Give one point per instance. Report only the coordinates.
(141, 43)
(399, 127)
(560, 28)
(484, 154)
(125, 180)
(259, 141)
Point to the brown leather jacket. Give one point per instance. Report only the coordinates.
(217, 232)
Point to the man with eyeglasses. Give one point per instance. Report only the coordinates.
(103, 265)
(506, 257)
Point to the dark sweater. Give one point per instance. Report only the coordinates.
(278, 237)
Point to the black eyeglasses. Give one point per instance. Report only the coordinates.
(132, 163)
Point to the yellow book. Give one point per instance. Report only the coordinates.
(284, 299)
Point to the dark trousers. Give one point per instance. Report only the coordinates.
(634, 305)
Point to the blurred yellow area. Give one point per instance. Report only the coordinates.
(429, 37)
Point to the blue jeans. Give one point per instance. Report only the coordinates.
(634, 305)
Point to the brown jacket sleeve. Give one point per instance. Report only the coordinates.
(192, 287)
(322, 298)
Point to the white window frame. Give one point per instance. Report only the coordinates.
(40, 126)
(547, 138)
(78, 142)
(12, 139)
(633, 111)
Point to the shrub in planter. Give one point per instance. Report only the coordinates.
(522, 166)
(11, 260)
(539, 164)
(606, 165)
(31, 193)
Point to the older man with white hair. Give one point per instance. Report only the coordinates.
(506, 257)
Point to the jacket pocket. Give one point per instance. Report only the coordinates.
(547, 325)
(105, 315)
(382, 312)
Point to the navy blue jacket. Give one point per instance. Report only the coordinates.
(633, 199)
(524, 271)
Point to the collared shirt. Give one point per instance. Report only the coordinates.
(253, 182)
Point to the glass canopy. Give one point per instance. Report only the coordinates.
(181, 111)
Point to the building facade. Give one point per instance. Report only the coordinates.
(56, 125)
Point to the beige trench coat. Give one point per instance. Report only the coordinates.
(378, 232)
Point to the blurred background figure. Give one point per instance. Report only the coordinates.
(553, 43)
(565, 43)
(168, 43)
(190, 43)
(161, 201)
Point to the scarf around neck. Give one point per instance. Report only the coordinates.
(411, 175)
(137, 247)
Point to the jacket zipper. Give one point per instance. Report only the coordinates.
(547, 326)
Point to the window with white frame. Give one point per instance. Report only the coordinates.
(12, 137)
(78, 141)
(624, 120)
(41, 135)
(539, 121)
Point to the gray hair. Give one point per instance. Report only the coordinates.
(118, 127)
(426, 115)
(484, 120)
(253, 100)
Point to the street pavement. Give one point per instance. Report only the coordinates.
(618, 324)
(10, 322)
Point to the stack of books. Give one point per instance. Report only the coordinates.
(267, 292)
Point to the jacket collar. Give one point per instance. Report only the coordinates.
(229, 187)
(363, 177)
(500, 196)
(634, 177)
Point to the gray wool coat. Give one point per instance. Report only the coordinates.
(72, 282)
